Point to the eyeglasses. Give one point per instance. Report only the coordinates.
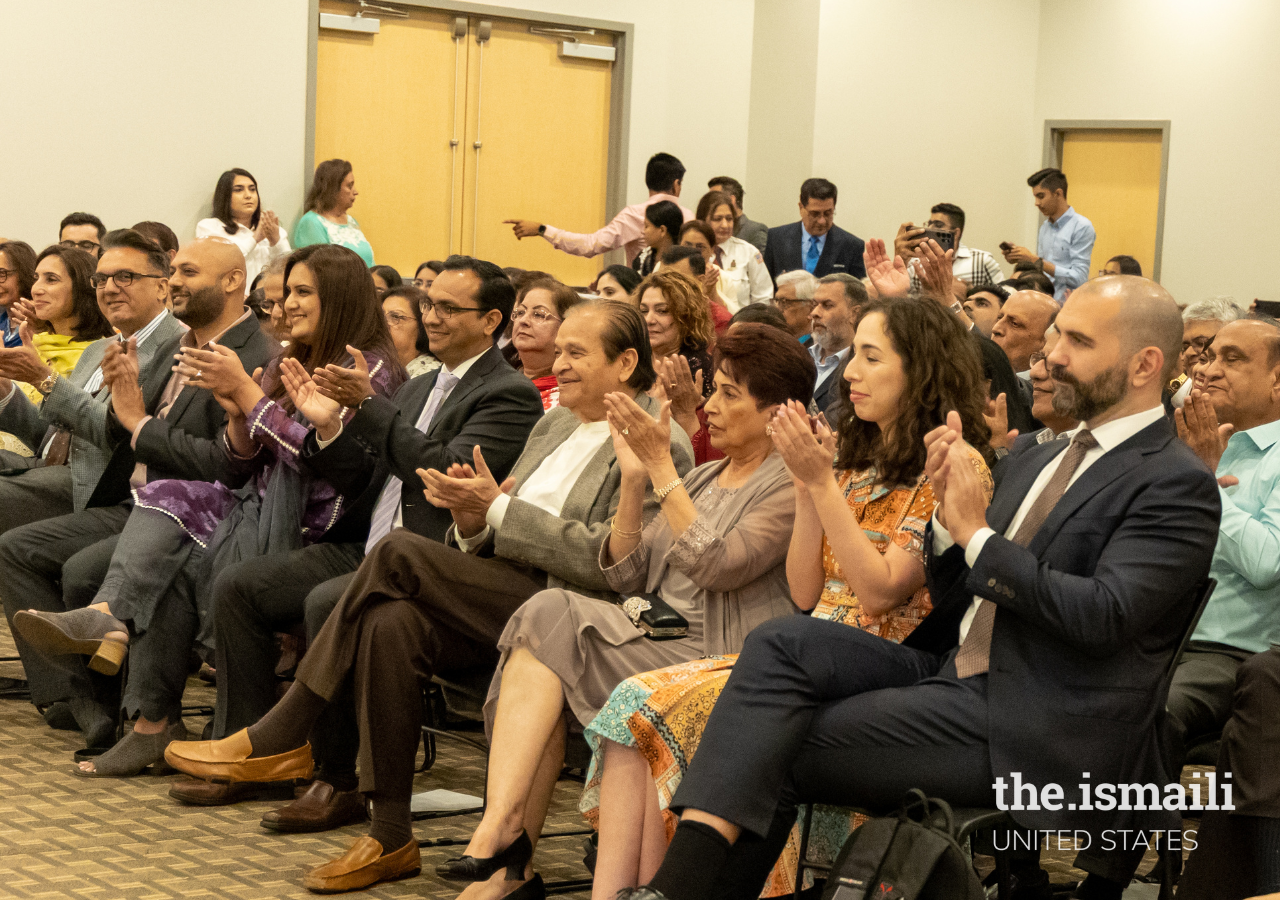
(538, 314)
(5, 273)
(396, 319)
(446, 311)
(123, 278)
(1037, 357)
(87, 246)
(780, 302)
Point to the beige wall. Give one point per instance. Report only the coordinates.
(1210, 68)
(131, 110)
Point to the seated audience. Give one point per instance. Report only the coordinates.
(326, 219)
(662, 222)
(161, 428)
(794, 298)
(982, 304)
(754, 233)
(83, 230)
(1028, 278)
(156, 598)
(402, 305)
(856, 558)
(663, 175)
(161, 234)
(417, 606)
(715, 554)
(815, 243)
(1042, 394)
(384, 279)
(1200, 322)
(616, 282)
(535, 321)
(739, 263)
(238, 216)
(17, 275)
(71, 424)
(692, 263)
(760, 314)
(1020, 329)
(976, 268)
(837, 716)
(426, 273)
(837, 302)
(63, 317)
(678, 321)
(1121, 265)
(271, 284)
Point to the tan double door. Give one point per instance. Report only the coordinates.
(452, 125)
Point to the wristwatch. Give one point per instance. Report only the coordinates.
(46, 386)
(542, 229)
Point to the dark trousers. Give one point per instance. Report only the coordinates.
(816, 711)
(54, 565)
(414, 607)
(34, 494)
(254, 599)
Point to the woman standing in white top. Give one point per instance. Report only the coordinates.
(238, 217)
(740, 263)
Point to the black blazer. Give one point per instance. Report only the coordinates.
(186, 444)
(831, 392)
(1089, 615)
(493, 406)
(842, 252)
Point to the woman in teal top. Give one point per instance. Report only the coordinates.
(333, 192)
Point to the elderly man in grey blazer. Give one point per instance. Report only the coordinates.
(417, 606)
(71, 424)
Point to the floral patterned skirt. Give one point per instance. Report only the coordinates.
(663, 714)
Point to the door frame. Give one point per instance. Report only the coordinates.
(620, 87)
(1054, 130)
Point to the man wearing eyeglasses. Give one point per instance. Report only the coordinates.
(83, 230)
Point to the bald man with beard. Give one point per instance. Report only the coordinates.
(57, 564)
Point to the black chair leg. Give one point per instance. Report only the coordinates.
(1004, 877)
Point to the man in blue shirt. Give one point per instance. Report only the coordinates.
(1066, 238)
(17, 274)
(1242, 391)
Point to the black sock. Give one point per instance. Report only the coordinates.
(1095, 887)
(392, 825)
(286, 727)
(342, 778)
(1266, 854)
(693, 862)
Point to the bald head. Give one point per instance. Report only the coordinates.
(1020, 328)
(207, 284)
(1146, 316)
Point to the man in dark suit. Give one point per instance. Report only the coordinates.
(815, 243)
(157, 427)
(1067, 595)
(475, 400)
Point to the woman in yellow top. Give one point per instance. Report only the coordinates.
(62, 317)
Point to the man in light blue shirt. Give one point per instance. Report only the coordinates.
(1242, 391)
(1065, 242)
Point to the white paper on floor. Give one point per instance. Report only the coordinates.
(443, 801)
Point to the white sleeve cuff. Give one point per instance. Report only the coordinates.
(498, 511)
(322, 443)
(976, 543)
(465, 544)
(13, 389)
(942, 539)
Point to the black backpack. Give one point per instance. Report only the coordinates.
(912, 855)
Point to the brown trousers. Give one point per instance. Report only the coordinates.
(415, 607)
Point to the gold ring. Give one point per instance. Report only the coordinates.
(626, 431)
(198, 374)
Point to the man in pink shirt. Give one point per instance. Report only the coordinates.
(663, 176)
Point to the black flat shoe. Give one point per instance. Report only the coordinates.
(513, 859)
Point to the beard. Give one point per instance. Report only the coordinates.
(1081, 400)
(203, 307)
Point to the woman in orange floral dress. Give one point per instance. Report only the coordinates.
(856, 556)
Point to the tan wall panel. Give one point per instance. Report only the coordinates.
(544, 128)
(385, 102)
(1114, 181)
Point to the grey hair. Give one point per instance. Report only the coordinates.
(275, 267)
(1214, 309)
(806, 284)
(855, 293)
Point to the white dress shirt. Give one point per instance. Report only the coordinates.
(548, 486)
(742, 266)
(1109, 436)
(257, 254)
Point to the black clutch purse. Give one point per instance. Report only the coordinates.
(655, 617)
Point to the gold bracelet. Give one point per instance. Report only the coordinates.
(613, 526)
(661, 493)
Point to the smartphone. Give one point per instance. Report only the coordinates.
(1268, 307)
(946, 239)
(1006, 246)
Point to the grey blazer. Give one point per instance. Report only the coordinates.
(85, 415)
(567, 547)
(742, 573)
(753, 232)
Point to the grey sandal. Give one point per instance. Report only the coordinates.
(135, 752)
(80, 631)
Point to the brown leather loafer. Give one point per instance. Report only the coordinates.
(229, 760)
(321, 808)
(208, 793)
(364, 865)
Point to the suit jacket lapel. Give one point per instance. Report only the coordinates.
(1005, 504)
(471, 381)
